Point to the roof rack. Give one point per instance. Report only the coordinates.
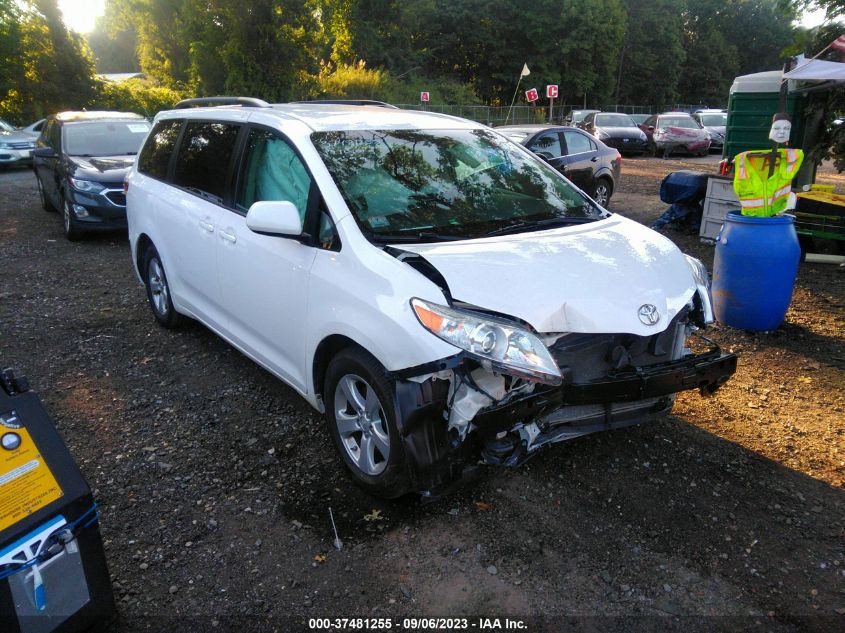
(250, 102)
(355, 102)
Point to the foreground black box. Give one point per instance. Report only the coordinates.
(53, 574)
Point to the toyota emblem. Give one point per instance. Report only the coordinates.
(648, 314)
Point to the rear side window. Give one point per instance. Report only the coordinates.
(577, 143)
(155, 155)
(204, 157)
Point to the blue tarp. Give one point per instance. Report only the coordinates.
(685, 191)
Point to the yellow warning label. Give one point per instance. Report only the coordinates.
(26, 482)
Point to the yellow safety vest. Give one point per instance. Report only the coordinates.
(759, 194)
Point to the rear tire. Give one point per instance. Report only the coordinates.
(361, 417)
(602, 191)
(158, 291)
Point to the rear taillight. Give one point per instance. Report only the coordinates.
(125, 186)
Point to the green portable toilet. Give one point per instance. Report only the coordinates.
(753, 100)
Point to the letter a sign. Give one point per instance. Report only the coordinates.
(531, 95)
(424, 97)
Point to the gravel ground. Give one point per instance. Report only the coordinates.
(214, 479)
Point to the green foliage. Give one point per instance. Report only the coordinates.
(652, 55)
(726, 38)
(45, 68)
(135, 95)
(114, 41)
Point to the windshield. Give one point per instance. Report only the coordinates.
(447, 184)
(5, 127)
(105, 138)
(679, 121)
(614, 120)
(714, 120)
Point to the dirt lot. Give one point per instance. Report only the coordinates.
(214, 479)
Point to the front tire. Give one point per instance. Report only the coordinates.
(362, 421)
(158, 291)
(71, 229)
(45, 204)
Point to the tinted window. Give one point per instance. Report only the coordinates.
(155, 156)
(577, 143)
(650, 121)
(273, 171)
(204, 156)
(548, 143)
(104, 138)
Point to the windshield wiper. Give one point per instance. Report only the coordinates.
(524, 227)
(419, 236)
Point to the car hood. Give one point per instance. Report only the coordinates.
(682, 133)
(17, 137)
(622, 132)
(104, 168)
(590, 278)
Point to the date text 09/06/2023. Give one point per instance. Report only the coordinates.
(417, 624)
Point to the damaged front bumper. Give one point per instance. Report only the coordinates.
(512, 431)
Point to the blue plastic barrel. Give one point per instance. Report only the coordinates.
(754, 271)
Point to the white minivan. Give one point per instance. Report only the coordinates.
(443, 296)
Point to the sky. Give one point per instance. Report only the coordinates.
(79, 15)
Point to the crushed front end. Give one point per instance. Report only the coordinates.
(463, 411)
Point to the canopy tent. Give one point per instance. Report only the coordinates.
(822, 73)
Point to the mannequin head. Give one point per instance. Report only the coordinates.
(781, 128)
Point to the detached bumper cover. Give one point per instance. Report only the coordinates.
(705, 372)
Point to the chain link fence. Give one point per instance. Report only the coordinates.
(523, 114)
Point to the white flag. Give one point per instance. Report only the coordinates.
(525, 72)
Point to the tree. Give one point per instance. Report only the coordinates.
(45, 68)
(652, 53)
(114, 40)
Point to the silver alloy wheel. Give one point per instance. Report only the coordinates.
(602, 194)
(159, 292)
(361, 425)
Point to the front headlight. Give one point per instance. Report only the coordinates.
(86, 186)
(5, 146)
(508, 348)
(702, 285)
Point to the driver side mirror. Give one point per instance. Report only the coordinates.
(275, 217)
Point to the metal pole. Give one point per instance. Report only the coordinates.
(514, 98)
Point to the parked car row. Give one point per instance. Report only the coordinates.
(441, 293)
(657, 134)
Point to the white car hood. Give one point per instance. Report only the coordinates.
(584, 278)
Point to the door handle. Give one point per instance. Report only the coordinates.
(229, 237)
(206, 226)
(594, 159)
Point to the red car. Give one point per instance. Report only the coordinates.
(675, 131)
